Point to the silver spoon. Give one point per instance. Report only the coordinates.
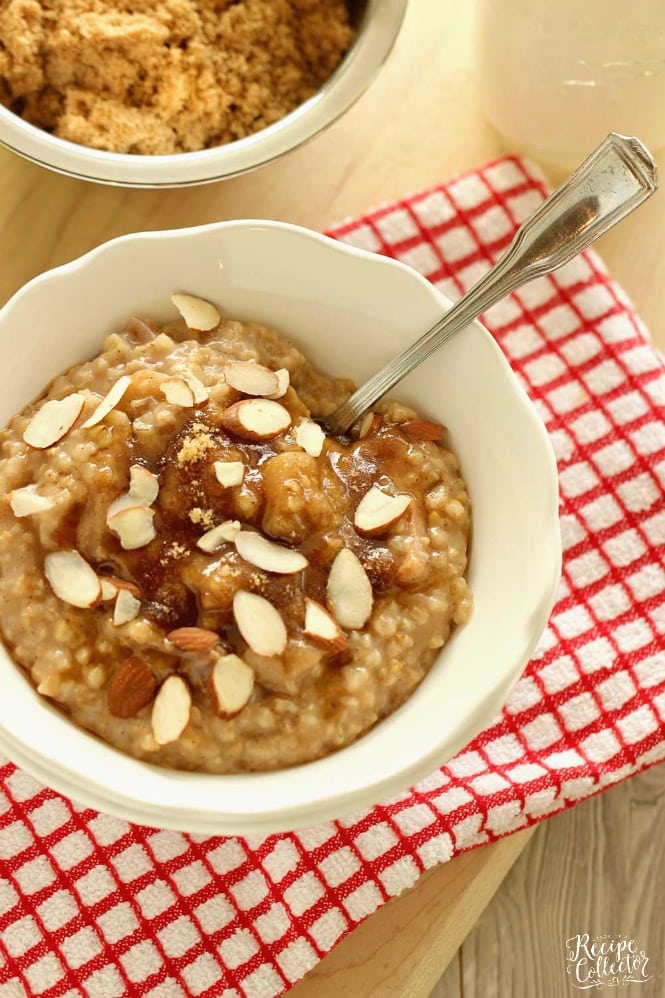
(614, 180)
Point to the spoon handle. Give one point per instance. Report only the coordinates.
(617, 177)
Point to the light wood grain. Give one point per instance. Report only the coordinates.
(595, 869)
(450, 985)
(398, 952)
(417, 125)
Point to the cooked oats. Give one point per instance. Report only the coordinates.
(327, 687)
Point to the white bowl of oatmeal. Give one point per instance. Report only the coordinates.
(155, 535)
(174, 95)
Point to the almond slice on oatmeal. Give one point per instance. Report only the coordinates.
(131, 688)
(111, 586)
(126, 608)
(109, 402)
(55, 418)
(125, 501)
(171, 710)
(256, 419)
(200, 315)
(231, 684)
(250, 378)
(176, 391)
(143, 485)
(272, 557)
(27, 501)
(322, 627)
(377, 511)
(133, 527)
(283, 382)
(143, 490)
(72, 579)
(349, 591)
(223, 533)
(124, 584)
(229, 473)
(260, 623)
(368, 425)
(193, 639)
(109, 590)
(199, 390)
(310, 437)
(422, 429)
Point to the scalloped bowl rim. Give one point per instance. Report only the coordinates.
(336, 785)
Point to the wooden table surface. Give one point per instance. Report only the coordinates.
(596, 868)
(418, 124)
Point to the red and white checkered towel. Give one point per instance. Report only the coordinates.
(92, 906)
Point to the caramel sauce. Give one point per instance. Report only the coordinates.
(172, 572)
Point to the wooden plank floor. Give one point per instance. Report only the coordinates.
(597, 868)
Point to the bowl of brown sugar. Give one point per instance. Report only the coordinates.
(170, 93)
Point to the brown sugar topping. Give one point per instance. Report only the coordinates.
(173, 552)
(202, 517)
(196, 445)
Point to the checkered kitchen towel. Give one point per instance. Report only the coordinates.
(92, 906)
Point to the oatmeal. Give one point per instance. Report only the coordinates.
(165, 76)
(192, 569)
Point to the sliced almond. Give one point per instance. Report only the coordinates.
(27, 501)
(368, 425)
(125, 501)
(109, 401)
(222, 534)
(72, 579)
(231, 683)
(131, 688)
(322, 627)
(140, 330)
(126, 608)
(199, 314)
(199, 390)
(133, 527)
(310, 437)
(177, 392)
(194, 639)
(109, 590)
(259, 551)
(349, 591)
(377, 511)
(283, 381)
(229, 473)
(55, 418)
(171, 710)
(256, 419)
(422, 429)
(143, 485)
(250, 378)
(131, 587)
(260, 623)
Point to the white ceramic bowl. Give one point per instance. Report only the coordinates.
(350, 311)
(377, 31)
